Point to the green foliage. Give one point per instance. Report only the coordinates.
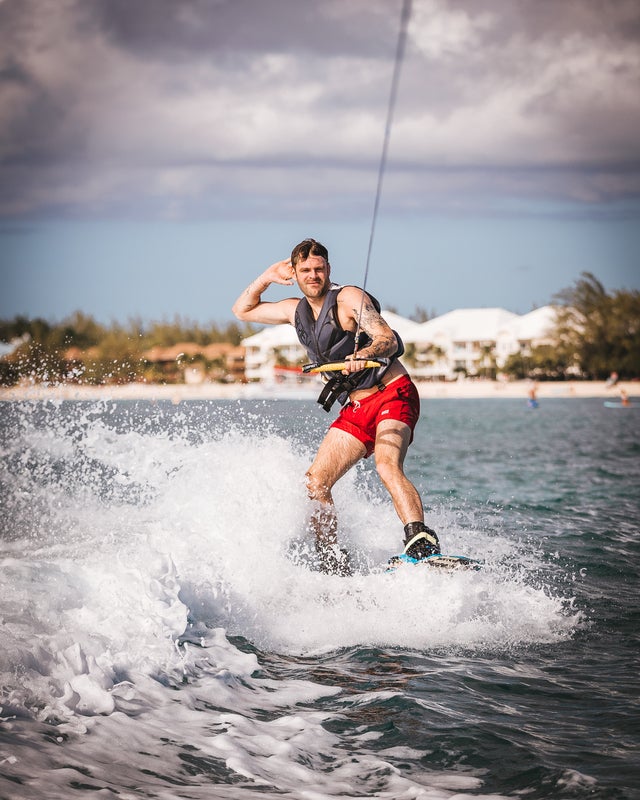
(596, 334)
(545, 362)
(165, 334)
(81, 349)
(410, 355)
(599, 332)
(487, 367)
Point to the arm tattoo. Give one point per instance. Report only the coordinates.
(383, 342)
(253, 294)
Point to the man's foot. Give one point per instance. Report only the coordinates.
(420, 541)
(333, 560)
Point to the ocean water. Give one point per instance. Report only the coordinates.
(164, 634)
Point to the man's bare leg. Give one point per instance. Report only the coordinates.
(392, 443)
(338, 452)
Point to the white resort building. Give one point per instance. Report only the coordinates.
(462, 342)
(465, 342)
(524, 332)
(267, 352)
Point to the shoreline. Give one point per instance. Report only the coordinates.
(458, 390)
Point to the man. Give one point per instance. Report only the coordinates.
(382, 404)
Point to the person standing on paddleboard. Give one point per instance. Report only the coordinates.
(381, 405)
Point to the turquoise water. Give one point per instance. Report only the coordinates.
(163, 633)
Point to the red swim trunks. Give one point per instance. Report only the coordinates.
(399, 400)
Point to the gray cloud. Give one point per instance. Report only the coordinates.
(206, 108)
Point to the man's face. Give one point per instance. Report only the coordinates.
(313, 276)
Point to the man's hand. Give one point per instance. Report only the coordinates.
(250, 307)
(351, 365)
(281, 272)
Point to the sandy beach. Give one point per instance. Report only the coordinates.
(467, 389)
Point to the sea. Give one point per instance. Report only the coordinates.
(165, 633)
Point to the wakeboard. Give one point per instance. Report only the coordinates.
(439, 560)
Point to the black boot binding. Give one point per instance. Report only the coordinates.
(420, 541)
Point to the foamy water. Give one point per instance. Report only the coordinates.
(159, 597)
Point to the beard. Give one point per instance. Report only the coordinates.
(314, 290)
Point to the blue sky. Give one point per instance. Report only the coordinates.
(168, 152)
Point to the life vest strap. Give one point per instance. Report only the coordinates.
(334, 387)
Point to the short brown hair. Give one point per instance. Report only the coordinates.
(306, 248)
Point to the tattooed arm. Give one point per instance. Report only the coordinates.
(383, 341)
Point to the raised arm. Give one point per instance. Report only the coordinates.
(250, 307)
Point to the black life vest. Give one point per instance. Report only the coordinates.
(325, 341)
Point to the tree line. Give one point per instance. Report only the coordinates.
(80, 349)
(596, 333)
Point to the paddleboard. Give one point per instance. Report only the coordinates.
(439, 561)
(618, 404)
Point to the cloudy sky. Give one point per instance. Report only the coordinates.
(157, 155)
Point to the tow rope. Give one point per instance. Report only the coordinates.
(393, 93)
(339, 384)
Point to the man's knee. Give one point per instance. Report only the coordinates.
(317, 487)
(389, 472)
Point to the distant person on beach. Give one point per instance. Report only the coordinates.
(381, 405)
(533, 396)
(612, 380)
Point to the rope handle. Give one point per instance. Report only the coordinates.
(338, 366)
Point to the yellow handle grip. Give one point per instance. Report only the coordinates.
(337, 366)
